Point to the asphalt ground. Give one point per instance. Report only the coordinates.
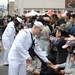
(3, 69)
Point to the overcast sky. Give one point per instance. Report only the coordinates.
(4, 2)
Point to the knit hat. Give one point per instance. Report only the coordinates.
(63, 28)
(68, 14)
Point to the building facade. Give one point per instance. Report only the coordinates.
(11, 8)
(23, 6)
(70, 5)
(2, 10)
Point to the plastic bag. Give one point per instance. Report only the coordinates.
(31, 67)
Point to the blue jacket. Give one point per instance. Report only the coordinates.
(72, 30)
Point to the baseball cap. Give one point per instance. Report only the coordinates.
(68, 43)
(68, 14)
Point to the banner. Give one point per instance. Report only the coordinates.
(69, 3)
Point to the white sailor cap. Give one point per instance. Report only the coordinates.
(39, 24)
(19, 20)
(74, 51)
(46, 19)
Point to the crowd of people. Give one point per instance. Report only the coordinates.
(48, 39)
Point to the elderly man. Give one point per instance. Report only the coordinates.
(19, 51)
(8, 37)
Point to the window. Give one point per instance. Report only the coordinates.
(46, 11)
(59, 11)
(25, 12)
(70, 11)
(38, 11)
(55, 11)
(28, 11)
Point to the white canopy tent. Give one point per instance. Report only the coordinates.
(64, 14)
(32, 13)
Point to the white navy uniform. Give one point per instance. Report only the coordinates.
(19, 52)
(7, 39)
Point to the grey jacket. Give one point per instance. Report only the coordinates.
(69, 65)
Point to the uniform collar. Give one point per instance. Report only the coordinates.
(31, 31)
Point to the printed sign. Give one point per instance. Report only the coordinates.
(69, 3)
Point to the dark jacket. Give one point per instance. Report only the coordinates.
(61, 53)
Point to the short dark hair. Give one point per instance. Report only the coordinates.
(55, 16)
(73, 16)
(60, 21)
(41, 20)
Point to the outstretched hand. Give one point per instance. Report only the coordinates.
(70, 38)
(37, 72)
(55, 67)
(49, 63)
(62, 72)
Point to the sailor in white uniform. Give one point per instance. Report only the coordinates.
(8, 37)
(19, 51)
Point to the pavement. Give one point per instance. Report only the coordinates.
(3, 69)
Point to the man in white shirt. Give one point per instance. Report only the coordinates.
(19, 51)
(8, 37)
